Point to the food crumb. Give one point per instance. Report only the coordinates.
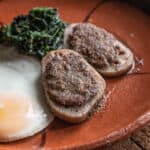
(132, 35)
(102, 103)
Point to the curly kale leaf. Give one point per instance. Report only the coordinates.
(20, 25)
(12, 33)
(36, 33)
(3, 31)
(41, 19)
(36, 43)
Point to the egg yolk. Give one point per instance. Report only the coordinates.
(13, 114)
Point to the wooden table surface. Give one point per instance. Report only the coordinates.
(140, 140)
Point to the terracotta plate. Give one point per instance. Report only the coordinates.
(128, 105)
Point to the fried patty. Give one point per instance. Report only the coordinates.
(69, 79)
(99, 47)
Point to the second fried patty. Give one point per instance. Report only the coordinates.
(95, 44)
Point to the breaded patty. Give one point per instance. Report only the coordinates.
(99, 47)
(71, 84)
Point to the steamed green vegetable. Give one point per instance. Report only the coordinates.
(36, 33)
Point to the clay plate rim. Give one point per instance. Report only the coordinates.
(114, 136)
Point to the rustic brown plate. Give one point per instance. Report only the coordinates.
(128, 105)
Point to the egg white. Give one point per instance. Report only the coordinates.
(21, 75)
